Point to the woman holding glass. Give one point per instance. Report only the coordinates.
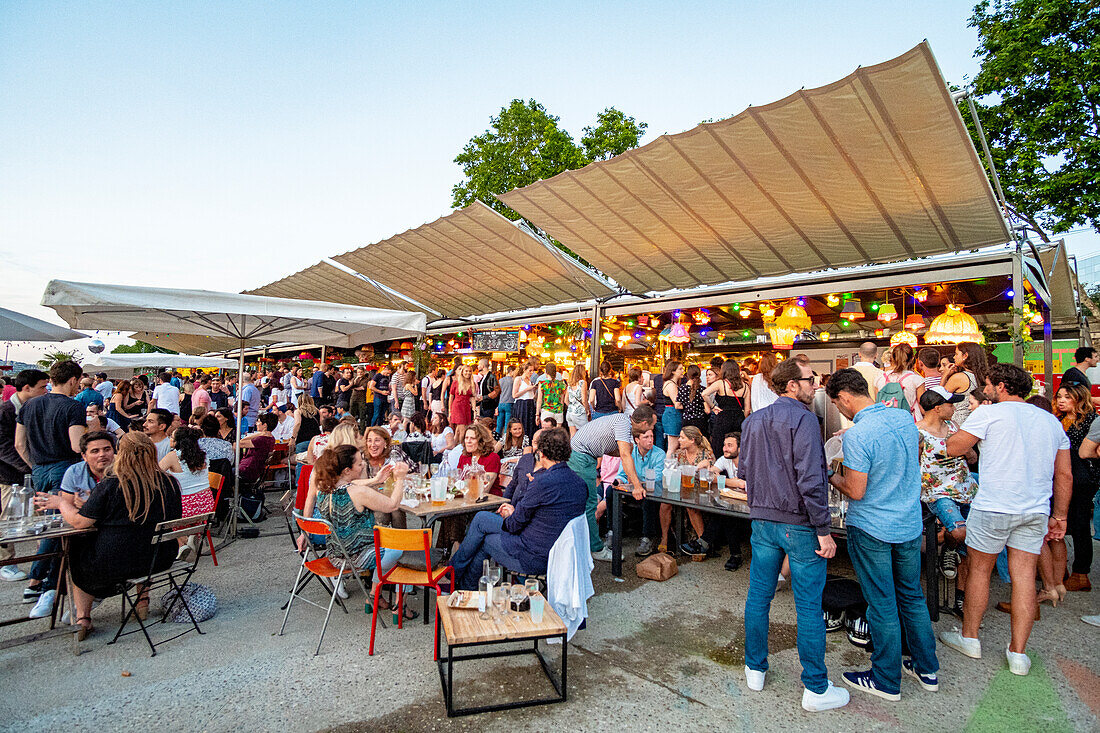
(694, 452)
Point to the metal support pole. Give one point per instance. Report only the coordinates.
(1017, 306)
(594, 351)
(1048, 353)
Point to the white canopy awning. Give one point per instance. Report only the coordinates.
(474, 261)
(125, 364)
(201, 321)
(876, 167)
(329, 283)
(16, 326)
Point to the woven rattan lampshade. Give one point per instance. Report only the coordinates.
(953, 326)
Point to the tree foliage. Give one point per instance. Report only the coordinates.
(1039, 86)
(56, 356)
(141, 347)
(525, 144)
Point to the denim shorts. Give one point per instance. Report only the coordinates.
(950, 513)
(991, 532)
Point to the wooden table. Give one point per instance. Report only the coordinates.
(10, 535)
(464, 628)
(429, 513)
(704, 501)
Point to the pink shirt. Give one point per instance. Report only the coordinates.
(9, 390)
(200, 398)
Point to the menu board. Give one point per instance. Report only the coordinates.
(496, 341)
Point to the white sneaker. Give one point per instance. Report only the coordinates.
(1018, 663)
(1092, 620)
(604, 555)
(12, 573)
(754, 679)
(834, 697)
(340, 591)
(44, 606)
(954, 639)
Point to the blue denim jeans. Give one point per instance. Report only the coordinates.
(598, 415)
(504, 414)
(584, 466)
(889, 575)
(482, 542)
(47, 479)
(770, 542)
(380, 408)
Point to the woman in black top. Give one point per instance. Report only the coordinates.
(137, 403)
(690, 395)
(603, 393)
(125, 508)
(308, 424)
(731, 403)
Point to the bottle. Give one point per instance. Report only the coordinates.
(26, 499)
(14, 508)
(483, 602)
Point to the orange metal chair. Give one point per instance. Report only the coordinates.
(406, 540)
(279, 460)
(217, 481)
(330, 569)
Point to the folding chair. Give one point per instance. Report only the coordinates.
(299, 504)
(176, 576)
(217, 481)
(329, 569)
(279, 460)
(406, 540)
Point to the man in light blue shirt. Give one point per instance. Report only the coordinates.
(882, 480)
(250, 394)
(645, 457)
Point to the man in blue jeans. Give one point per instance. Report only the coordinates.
(47, 437)
(882, 479)
(783, 467)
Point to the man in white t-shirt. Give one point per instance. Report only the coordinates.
(105, 387)
(1024, 460)
(868, 352)
(166, 395)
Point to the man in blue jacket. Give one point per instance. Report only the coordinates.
(523, 472)
(783, 467)
(520, 536)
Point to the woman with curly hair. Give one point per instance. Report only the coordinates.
(478, 448)
(967, 373)
(693, 450)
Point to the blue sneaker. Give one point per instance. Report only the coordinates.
(929, 682)
(863, 681)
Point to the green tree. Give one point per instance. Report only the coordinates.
(1040, 89)
(56, 356)
(613, 134)
(141, 347)
(525, 144)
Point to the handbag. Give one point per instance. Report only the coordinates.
(200, 599)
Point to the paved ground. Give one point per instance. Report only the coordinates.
(657, 656)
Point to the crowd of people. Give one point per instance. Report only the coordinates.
(1006, 474)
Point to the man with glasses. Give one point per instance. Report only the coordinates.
(783, 467)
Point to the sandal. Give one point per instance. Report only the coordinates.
(84, 630)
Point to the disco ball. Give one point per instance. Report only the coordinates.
(96, 347)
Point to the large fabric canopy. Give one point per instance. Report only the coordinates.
(21, 327)
(202, 321)
(876, 167)
(327, 282)
(472, 262)
(125, 364)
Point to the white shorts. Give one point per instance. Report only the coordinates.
(556, 415)
(576, 421)
(991, 532)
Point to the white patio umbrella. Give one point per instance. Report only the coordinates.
(124, 364)
(203, 321)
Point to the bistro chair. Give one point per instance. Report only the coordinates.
(176, 577)
(279, 460)
(330, 570)
(298, 505)
(410, 541)
(217, 481)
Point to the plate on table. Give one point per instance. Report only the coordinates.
(466, 599)
(733, 494)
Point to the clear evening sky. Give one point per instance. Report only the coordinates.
(223, 145)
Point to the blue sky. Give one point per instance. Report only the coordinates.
(226, 144)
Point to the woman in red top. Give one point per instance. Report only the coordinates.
(257, 448)
(477, 447)
(462, 399)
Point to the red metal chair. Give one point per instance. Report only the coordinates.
(217, 481)
(406, 540)
(330, 570)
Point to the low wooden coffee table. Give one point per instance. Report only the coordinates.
(463, 628)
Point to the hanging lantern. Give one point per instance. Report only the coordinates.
(677, 333)
(953, 326)
(914, 322)
(643, 320)
(789, 325)
(852, 310)
(904, 337)
(824, 335)
(767, 311)
(745, 313)
(701, 317)
(887, 313)
(920, 295)
(832, 300)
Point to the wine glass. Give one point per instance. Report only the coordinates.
(519, 593)
(500, 600)
(532, 586)
(495, 574)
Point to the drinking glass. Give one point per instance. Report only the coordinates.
(518, 594)
(650, 479)
(532, 586)
(484, 602)
(500, 601)
(495, 574)
(538, 606)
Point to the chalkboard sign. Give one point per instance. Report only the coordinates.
(496, 341)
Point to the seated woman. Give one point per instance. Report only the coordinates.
(511, 447)
(219, 453)
(187, 464)
(257, 449)
(125, 508)
(227, 424)
(520, 537)
(348, 502)
(693, 450)
(377, 446)
(477, 449)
